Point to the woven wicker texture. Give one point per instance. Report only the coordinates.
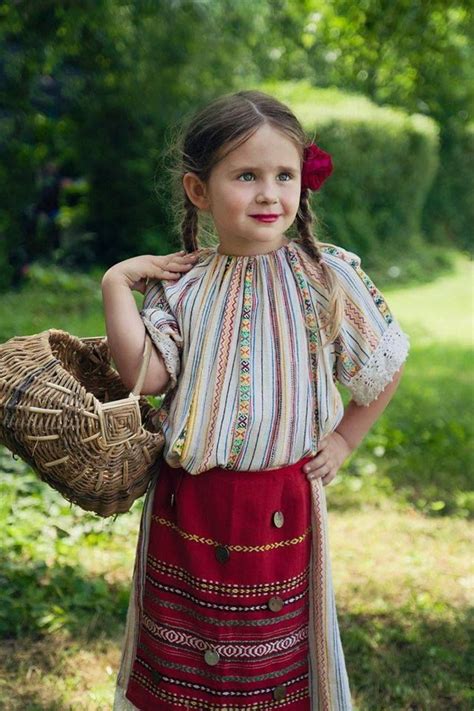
(65, 411)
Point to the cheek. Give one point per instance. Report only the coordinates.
(238, 202)
(290, 204)
(294, 199)
(231, 195)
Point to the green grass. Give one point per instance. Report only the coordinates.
(440, 312)
(400, 536)
(420, 451)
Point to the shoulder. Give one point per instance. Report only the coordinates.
(356, 284)
(335, 254)
(172, 291)
(352, 278)
(346, 265)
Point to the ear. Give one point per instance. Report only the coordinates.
(196, 191)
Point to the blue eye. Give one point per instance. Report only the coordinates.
(245, 181)
(290, 176)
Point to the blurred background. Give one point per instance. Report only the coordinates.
(91, 95)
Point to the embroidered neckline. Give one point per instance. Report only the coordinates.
(212, 251)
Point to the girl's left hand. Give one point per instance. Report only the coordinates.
(333, 451)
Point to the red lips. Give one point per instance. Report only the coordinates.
(265, 218)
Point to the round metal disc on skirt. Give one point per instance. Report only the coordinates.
(224, 620)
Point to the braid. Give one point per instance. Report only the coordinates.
(189, 225)
(332, 318)
(304, 220)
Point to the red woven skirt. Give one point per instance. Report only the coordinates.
(224, 619)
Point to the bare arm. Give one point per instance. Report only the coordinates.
(358, 419)
(354, 425)
(124, 325)
(126, 337)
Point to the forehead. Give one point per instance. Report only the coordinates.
(267, 148)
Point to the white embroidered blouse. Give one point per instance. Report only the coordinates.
(251, 386)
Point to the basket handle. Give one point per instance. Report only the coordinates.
(145, 361)
(144, 366)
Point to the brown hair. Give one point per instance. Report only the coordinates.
(227, 122)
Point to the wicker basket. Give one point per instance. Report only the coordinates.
(65, 411)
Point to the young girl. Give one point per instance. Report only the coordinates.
(232, 604)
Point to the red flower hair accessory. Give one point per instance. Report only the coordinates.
(317, 166)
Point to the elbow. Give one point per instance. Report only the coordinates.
(154, 383)
(159, 387)
(157, 381)
(149, 387)
(398, 374)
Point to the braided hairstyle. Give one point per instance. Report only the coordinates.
(221, 126)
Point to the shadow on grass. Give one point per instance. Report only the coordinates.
(406, 660)
(36, 599)
(55, 673)
(421, 448)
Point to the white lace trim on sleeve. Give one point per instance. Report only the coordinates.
(166, 341)
(382, 365)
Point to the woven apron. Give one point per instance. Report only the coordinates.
(224, 618)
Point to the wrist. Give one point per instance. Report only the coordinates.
(351, 446)
(114, 277)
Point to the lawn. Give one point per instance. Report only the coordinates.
(400, 530)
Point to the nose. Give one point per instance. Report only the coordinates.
(267, 192)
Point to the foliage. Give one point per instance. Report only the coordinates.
(83, 90)
(413, 54)
(448, 214)
(65, 580)
(384, 164)
(402, 53)
(44, 586)
(421, 449)
(80, 87)
(53, 298)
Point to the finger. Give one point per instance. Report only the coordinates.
(178, 267)
(312, 464)
(323, 443)
(173, 266)
(176, 259)
(183, 254)
(184, 260)
(186, 256)
(319, 473)
(328, 478)
(320, 462)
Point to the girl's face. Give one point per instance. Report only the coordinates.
(260, 177)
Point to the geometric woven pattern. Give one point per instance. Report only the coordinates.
(119, 420)
(220, 632)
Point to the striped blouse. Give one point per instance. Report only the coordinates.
(251, 385)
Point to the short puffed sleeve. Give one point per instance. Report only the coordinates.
(163, 328)
(371, 345)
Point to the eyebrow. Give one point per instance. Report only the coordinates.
(290, 169)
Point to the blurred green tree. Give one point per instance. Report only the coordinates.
(94, 86)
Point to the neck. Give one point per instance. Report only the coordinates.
(252, 250)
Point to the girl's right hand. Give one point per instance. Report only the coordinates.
(136, 271)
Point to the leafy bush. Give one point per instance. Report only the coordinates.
(43, 584)
(384, 162)
(448, 215)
